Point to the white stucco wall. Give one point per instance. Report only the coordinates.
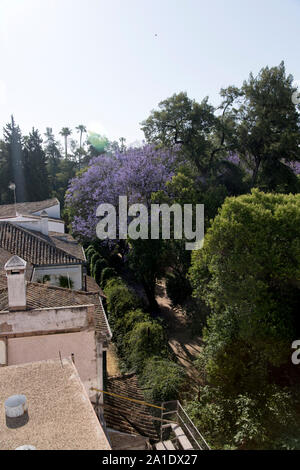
(74, 272)
(53, 211)
(36, 224)
(56, 226)
(45, 320)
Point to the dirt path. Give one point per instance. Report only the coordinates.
(183, 342)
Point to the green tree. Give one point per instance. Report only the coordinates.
(6, 175)
(182, 121)
(162, 379)
(53, 158)
(66, 132)
(82, 130)
(265, 130)
(248, 274)
(15, 160)
(148, 261)
(35, 170)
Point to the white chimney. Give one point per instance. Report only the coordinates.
(44, 223)
(16, 283)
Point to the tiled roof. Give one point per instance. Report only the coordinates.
(33, 247)
(41, 296)
(92, 286)
(67, 243)
(5, 256)
(9, 210)
(125, 416)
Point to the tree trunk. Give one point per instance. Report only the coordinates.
(150, 293)
(255, 172)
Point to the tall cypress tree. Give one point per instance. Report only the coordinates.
(6, 195)
(35, 169)
(15, 160)
(53, 158)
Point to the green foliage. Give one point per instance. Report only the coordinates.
(147, 259)
(66, 282)
(146, 339)
(46, 279)
(120, 299)
(162, 379)
(247, 272)
(35, 170)
(106, 275)
(265, 127)
(99, 265)
(181, 120)
(124, 325)
(265, 420)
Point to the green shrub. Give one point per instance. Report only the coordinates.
(162, 380)
(106, 275)
(119, 299)
(124, 325)
(98, 267)
(66, 282)
(146, 339)
(89, 252)
(265, 420)
(94, 258)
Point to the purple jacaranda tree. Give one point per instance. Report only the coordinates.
(137, 173)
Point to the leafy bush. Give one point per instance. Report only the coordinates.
(98, 267)
(162, 379)
(66, 282)
(124, 325)
(119, 299)
(106, 275)
(146, 339)
(246, 421)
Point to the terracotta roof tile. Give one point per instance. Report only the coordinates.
(33, 247)
(124, 416)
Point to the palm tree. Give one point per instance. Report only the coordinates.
(65, 132)
(81, 129)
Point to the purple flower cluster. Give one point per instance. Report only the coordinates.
(136, 174)
(295, 166)
(233, 158)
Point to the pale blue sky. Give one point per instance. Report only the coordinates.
(98, 62)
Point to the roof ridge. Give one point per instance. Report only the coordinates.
(65, 289)
(45, 242)
(122, 376)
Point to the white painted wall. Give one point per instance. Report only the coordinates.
(3, 353)
(45, 320)
(16, 286)
(53, 211)
(35, 224)
(56, 226)
(74, 272)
